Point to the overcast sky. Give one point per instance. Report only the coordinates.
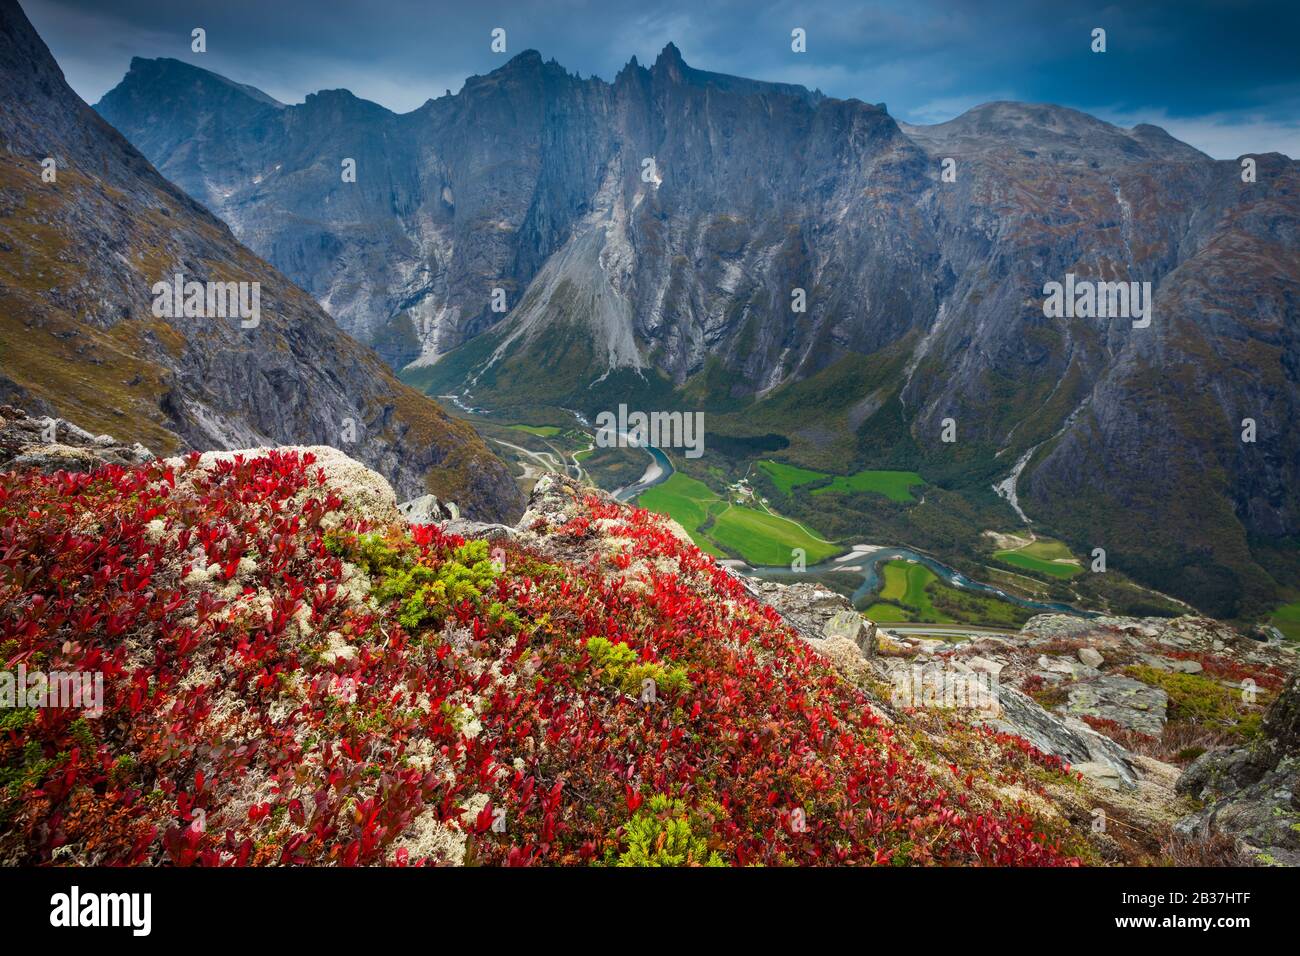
(1223, 76)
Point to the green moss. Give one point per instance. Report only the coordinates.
(17, 719)
(426, 593)
(664, 833)
(31, 767)
(370, 552)
(1199, 699)
(620, 667)
(81, 733)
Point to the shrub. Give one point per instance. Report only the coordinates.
(1200, 699)
(621, 667)
(661, 834)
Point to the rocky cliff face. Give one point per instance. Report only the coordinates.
(651, 232)
(83, 240)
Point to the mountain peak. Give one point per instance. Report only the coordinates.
(670, 54)
(671, 64)
(168, 73)
(1050, 129)
(526, 67)
(528, 59)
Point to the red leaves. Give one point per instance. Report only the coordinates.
(182, 845)
(232, 709)
(634, 799)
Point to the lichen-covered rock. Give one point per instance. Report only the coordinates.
(368, 493)
(555, 499)
(1252, 793)
(1128, 702)
(1091, 656)
(1067, 738)
(1160, 637)
(52, 444)
(816, 612)
(479, 529)
(427, 509)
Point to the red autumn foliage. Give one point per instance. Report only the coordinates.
(1265, 676)
(233, 733)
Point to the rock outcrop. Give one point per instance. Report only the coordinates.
(819, 614)
(1097, 757)
(1252, 793)
(51, 444)
(427, 509)
(1123, 700)
(1093, 691)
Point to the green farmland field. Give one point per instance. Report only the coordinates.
(1287, 620)
(788, 477)
(716, 525)
(894, 485)
(929, 601)
(1044, 555)
(687, 502)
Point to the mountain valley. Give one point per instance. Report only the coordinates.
(678, 285)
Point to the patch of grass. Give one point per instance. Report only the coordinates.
(1042, 556)
(912, 593)
(541, 431)
(1021, 559)
(682, 498)
(788, 477)
(686, 501)
(1286, 619)
(887, 614)
(907, 584)
(762, 538)
(905, 581)
(1049, 549)
(894, 485)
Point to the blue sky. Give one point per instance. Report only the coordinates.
(1223, 76)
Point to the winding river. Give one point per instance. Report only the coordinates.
(866, 564)
(657, 472)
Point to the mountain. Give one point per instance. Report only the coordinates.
(80, 335)
(672, 283)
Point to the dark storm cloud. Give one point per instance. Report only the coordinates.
(1220, 75)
